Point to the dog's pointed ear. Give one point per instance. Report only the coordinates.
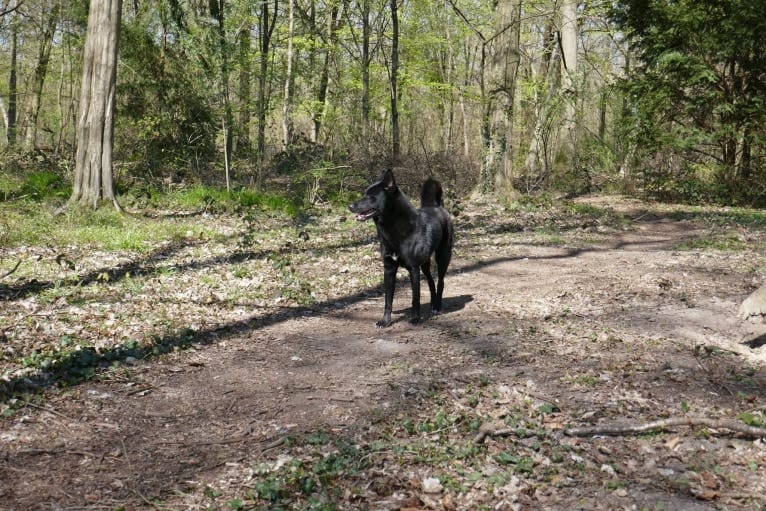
(388, 179)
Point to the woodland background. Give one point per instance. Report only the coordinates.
(216, 347)
(659, 98)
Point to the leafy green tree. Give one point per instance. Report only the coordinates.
(168, 118)
(698, 87)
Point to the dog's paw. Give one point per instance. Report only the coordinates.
(415, 320)
(436, 311)
(383, 323)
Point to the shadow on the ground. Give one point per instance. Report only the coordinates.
(185, 460)
(82, 364)
(146, 266)
(756, 342)
(74, 366)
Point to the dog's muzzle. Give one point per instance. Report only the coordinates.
(362, 215)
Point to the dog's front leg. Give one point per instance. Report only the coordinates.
(415, 282)
(389, 284)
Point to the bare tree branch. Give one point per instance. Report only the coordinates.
(470, 25)
(9, 10)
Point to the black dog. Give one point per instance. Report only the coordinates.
(408, 237)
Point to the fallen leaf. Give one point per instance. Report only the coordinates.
(673, 442)
(709, 480)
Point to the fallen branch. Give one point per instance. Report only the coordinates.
(11, 271)
(492, 429)
(632, 429)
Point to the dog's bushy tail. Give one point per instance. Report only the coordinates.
(431, 194)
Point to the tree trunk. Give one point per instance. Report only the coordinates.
(64, 94)
(470, 56)
(536, 166)
(366, 29)
(245, 86)
(10, 124)
(93, 179)
(395, 147)
(502, 51)
(218, 12)
(38, 82)
(317, 116)
(287, 120)
(448, 66)
(745, 163)
(322, 107)
(568, 34)
(267, 21)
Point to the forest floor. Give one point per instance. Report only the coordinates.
(217, 373)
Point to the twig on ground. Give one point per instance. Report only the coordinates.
(49, 410)
(540, 397)
(744, 496)
(147, 501)
(632, 429)
(273, 444)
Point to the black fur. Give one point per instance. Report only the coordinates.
(409, 237)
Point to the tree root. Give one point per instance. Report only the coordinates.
(632, 429)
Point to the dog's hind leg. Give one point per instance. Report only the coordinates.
(426, 267)
(443, 256)
(415, 282)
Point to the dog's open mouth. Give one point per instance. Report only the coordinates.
(365, 215)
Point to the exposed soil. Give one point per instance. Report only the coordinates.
(599, 323)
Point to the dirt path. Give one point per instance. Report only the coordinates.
(623, 326)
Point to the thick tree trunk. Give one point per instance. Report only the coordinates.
(93, 179)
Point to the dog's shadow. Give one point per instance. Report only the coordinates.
(450, 304)
(756, 342)
(455, 303)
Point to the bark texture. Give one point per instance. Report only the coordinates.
(93, 178)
